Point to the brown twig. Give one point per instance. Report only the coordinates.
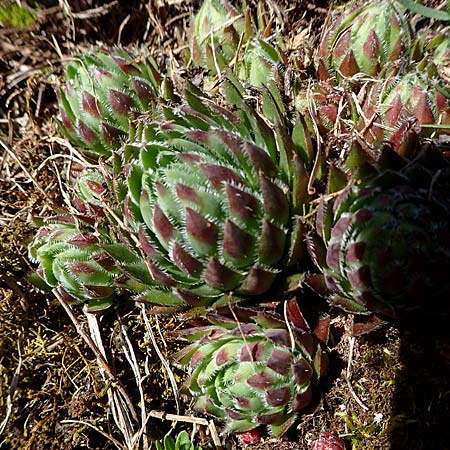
(12, 387)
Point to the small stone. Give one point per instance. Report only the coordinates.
(327, 441)
(249, 437)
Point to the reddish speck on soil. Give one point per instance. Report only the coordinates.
(328, 441)
(249, 437)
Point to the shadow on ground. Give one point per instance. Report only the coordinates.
(421, 411)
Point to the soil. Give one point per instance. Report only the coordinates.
(386, 390)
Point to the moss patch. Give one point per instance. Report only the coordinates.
(16, 16)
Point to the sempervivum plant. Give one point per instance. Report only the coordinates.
(217, 28)
(392, 103)
(261, 370)
(224, 35)
(215, 212)
(101, 94)
(214, 218)
(365, 39)
(388, 240)
(72, 260)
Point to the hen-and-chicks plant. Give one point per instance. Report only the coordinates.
(387, 237)
(209, 201)
(102, 93)
(261, 369)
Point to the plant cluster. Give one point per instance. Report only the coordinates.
(207, 202)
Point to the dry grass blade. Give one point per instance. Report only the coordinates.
(98, 430)
(130, 355)
(23, 168)
(121, 407)
(313, 114)
(95, 12)
(216, 64)
(191, 419)
(351, 341)
(288, 326)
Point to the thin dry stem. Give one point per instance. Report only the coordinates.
(118, 405)
(99, 430)
(313, 113)
(24, 169)
(88, 340)
(351, 341)
(288, 325)
(190, 419)
(129, 353)
(95, 12)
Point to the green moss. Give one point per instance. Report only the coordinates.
(16, 16)
(362, 430)
(13, 239)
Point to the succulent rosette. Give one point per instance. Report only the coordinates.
(217, 210)
(101, 94)
(388, 240)
(413, 96)
(181, 442)
(217, 30)
(258, 371)
(214, 218)
(224, 35)
(72, 260)
(83, 257)
(365, 39)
